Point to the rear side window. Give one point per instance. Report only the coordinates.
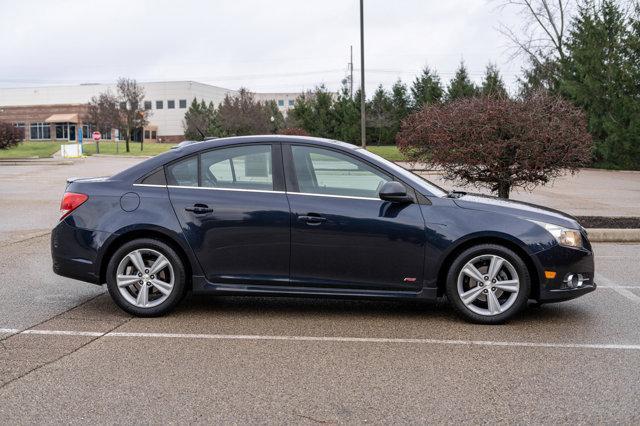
(243, 167)
(155, 178)
(183, 172)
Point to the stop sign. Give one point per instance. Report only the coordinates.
(96, 136)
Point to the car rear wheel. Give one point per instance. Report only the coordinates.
(146, 277)
(488, 284)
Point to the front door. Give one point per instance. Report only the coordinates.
(342, 234)
(234, 213)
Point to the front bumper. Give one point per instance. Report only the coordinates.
(74, 252)
(565, 261)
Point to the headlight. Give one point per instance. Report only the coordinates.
(565, 236)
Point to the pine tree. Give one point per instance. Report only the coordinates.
(599, 76)
(346, 112)
(426, 89)
(380, 117)
(401, 103)
(461, 85)
(492, 84)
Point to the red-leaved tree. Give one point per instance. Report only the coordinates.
(293, 131)
(10, 135)
(499, 143)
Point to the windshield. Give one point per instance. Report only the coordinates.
(408, 175)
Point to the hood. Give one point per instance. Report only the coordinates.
(516, 208)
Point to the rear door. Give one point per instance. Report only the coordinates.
(342, 234)
(232, 207)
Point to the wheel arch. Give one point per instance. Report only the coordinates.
(153, 233)
(516, 246)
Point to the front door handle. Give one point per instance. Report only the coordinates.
(312, 219)
(199, 209)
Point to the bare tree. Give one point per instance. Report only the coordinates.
(543, 32)
(104, 114)
(499, 143)
(131, 102)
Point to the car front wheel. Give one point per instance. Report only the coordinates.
(146, 277)
(488, 284)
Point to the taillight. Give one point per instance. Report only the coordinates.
(70, 202)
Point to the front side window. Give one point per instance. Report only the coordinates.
(183, 172)
(183, 103)
(171, 104)
(159, 104)
(326, 172)
(243, 167)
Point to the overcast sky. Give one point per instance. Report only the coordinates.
(267, 46)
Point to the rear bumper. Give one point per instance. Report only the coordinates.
(74, 252)
(565, 261)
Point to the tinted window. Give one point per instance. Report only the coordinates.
(183, 172)
(322, 171)
(245, 167)
(156, 178)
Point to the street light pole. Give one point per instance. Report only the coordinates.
(363, 126)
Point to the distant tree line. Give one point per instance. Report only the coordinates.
(236, 115)
(337, 116)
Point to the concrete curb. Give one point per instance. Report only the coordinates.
(120, 156)
(604, 235)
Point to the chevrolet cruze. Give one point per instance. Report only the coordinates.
(296, 216)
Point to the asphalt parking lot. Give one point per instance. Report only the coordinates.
(67, 354)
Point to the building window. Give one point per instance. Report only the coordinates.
(146, 134)
(159, 104)
(291, 102)
(183, 103)
(40, 131)
(62, 131)
(171, 104)
(153, 134)
(280, 102)
(147, 105)
(87, 132)
(123, 105)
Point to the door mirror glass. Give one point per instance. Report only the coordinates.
(394, 192)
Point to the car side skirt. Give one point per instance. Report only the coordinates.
(202, 286)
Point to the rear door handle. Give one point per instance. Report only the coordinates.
(199, 209)
(312, 219)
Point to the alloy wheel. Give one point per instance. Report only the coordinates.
(488, 285)
(145, 278)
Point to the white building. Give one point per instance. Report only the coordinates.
(39, 109)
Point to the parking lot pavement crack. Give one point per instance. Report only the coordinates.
(31, 237)
(39, 367)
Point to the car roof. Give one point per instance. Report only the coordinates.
(234, 140)
(191, 147)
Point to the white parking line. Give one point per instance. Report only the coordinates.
(332, 339)
(621, 290)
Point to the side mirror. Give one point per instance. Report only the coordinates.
(394, 192)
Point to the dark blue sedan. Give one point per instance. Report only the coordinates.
(296, 216)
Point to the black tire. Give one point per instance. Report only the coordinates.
(179, 285)
(480, 250)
